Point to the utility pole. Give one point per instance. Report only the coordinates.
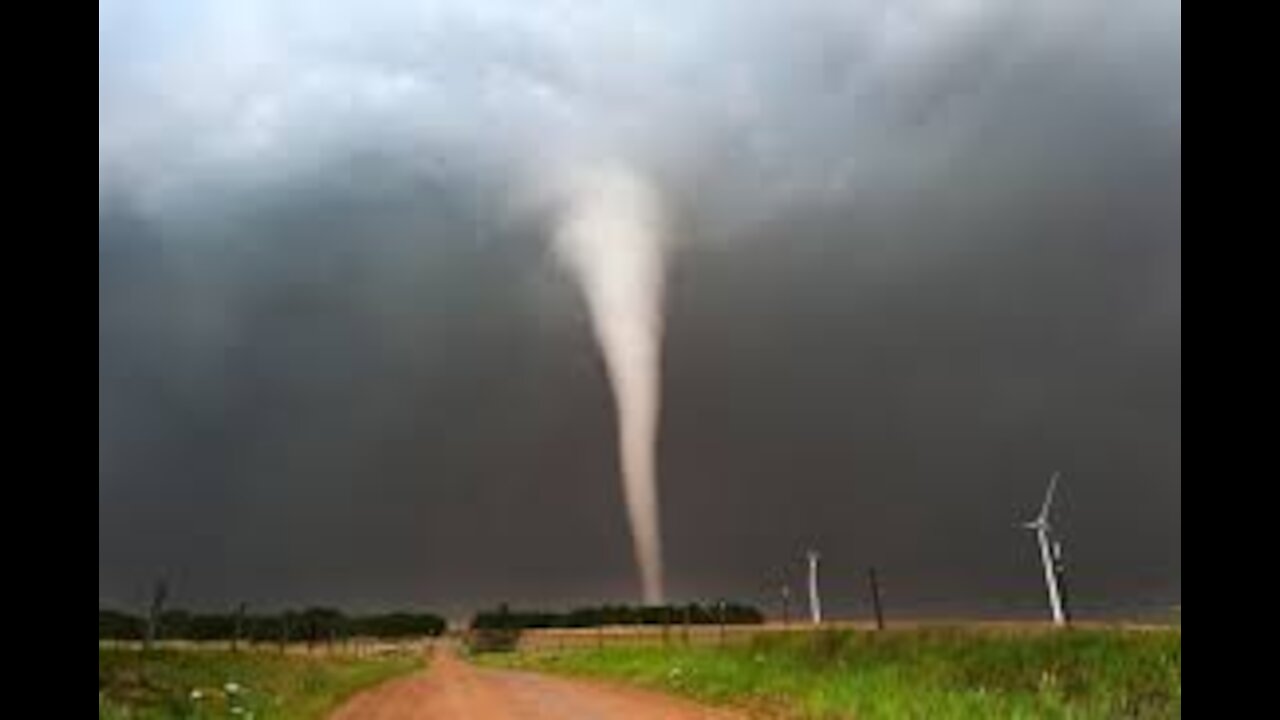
(721, 609)
(875, 598)
(239, 627)
(158, 598)
(688, 620)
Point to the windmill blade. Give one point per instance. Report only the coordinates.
(1048, 498)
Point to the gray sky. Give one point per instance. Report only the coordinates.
(926, 253)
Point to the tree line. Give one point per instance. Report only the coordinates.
(309, 625)
(728, 613)
(319, 624)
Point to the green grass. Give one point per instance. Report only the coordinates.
(935, 674)
(194, 684)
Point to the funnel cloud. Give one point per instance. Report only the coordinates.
(611, 238)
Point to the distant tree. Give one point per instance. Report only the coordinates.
(114, 625)
(399, 625)
(314, 624)
(174, 625)
(322, 624)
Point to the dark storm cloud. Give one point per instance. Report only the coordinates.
(929, 252)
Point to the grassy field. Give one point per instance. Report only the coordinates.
(935, 673)
(206, 684)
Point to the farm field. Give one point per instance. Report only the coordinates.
(929, 672)
(266, 685)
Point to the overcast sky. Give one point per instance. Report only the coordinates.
(925, 253)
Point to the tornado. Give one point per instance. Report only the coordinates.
(610, 236)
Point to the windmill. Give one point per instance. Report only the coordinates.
(1050, 553)
(815, 602)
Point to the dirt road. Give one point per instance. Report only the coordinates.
(454, 690)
